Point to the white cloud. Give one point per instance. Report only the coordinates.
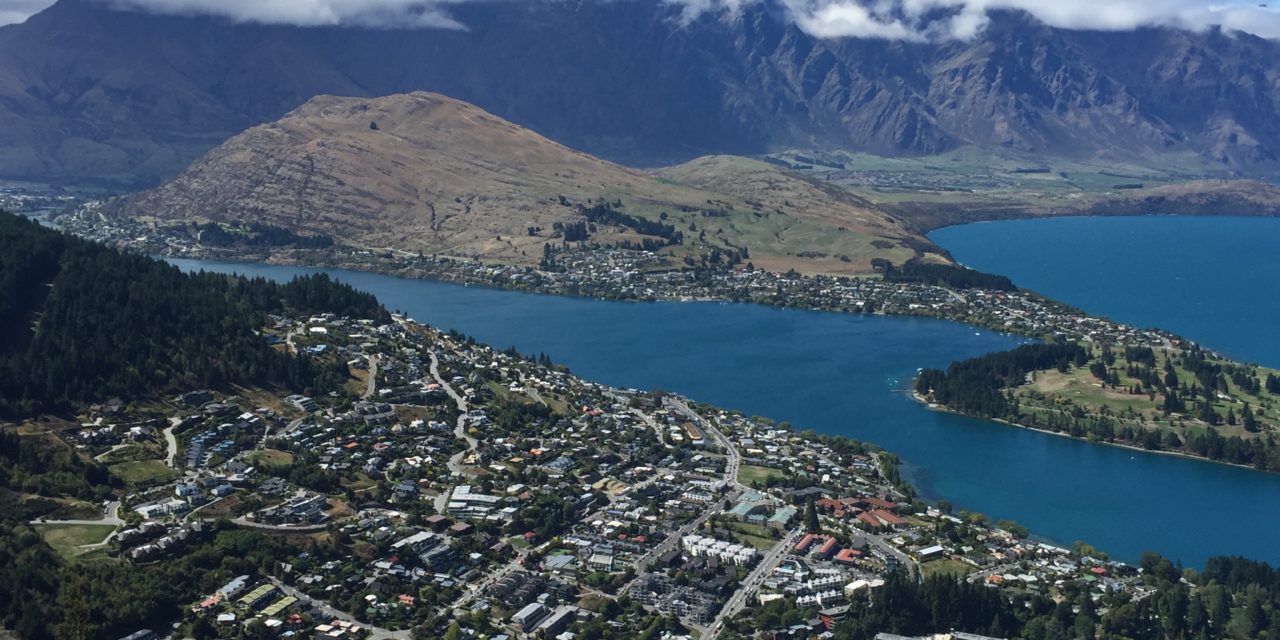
(850, 19)
(893, 19)
(310, 13)
(967, 18)
(13, 11)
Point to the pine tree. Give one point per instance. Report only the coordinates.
(1250, 424)
(811, 523)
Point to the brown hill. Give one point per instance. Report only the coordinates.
(424, 172)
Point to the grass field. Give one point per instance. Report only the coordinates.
(271, 458)
(996, 176)
(945, 566)
(750, 474)
(758, 536)
(1054, 391)
(68, 539)
(143, 472)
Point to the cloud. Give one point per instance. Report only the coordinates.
(310, 13)
(853, 20)
(14, 11)
(889, 19)
(964, 19)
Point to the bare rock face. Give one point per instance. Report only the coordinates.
(91, 93)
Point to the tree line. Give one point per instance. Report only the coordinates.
(943, 275)
(977, 385)
(258, 234)
(980, 386)
(85, 322)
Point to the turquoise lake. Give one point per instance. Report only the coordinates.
(1215, 280)
(847, 375)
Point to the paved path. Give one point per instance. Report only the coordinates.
(113, 449)
(377, 633)
(738, 601)
(643, 563)
(298, 528)
(110, 515)
(373, 377)
(459, 429)
(171, 443)
(734, 462)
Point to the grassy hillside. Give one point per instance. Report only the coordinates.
(425, 173)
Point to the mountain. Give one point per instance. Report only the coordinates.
(426, 173)
(89, 93)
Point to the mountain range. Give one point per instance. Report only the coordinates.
(89, 93)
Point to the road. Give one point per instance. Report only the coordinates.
(171, 443)
(113, 449)
(110, 516)
(459, 429)
(529, 390)
(373, 377)
(296, 528)
(643, 562)
(648, 419)
(377, 633)
(903, 559)
(734, 462)
(752, 583)
(477, 589)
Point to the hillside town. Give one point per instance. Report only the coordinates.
(453, 490)
(631, 274)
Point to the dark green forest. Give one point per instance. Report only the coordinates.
(83, 322)
(257, 235)
(979, 386)
(43, 597)
(944, 275)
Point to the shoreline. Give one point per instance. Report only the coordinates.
(462, 281)
(454, 277)
(933, 406)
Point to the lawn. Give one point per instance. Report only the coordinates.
(749, 474)
(1079, 387)
(143, 472)
(758, 536)
(763, 544)
(271, 458)
(945, 566)
(68, 539)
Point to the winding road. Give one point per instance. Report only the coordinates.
(459, 429)
(734, 462)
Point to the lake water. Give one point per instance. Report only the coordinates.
(1215, 280)
(847, 375)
